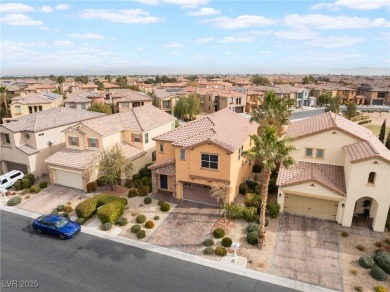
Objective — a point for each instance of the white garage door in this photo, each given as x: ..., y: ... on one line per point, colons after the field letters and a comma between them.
x: 306, y: 206
x: 69, y: 179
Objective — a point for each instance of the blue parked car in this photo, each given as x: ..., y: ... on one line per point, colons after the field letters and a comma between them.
x: 56, y: 225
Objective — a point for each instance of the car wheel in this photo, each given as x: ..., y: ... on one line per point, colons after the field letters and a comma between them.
x: 61, y: 236
x: 38, y: 230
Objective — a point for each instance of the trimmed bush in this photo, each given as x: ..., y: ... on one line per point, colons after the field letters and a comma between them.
x: 111, y: 211
x: 136, y: 176
x: 14, y: 201
x: 360, y: 247
x: 165, y: 207
x: 243, y: 188
x: 37, y: 190
x: 68, y: 209
x: 253, y: 227
x: 141, y: 234
x: 128, y: 183
x: 87, y: 208
x: 156, y: 218
x: 43, y: 185
x: 256, y: 168
x: 80, y: 221
x: 55, y: 211
x: 91, y: 186
x: 18, y: 185
x: 273, y: 210
x: 137, y: 183
x: 258, y: 189
x: 147, y: 200
x: 30, y: 177
x: 249, y: 214
x: 101, y: 181
x: 66, y: 215
x: 122, y: 221
x: 251, y: 184
x: 60, y: 208
x: 106, y: 226
x: 208, y: 242
x: 344, y: 234
x: 143, y: 191
x: 149, y: 224
x: 380, y: 289
x: 208, y: 250
x: 160, y: 202
x: 252, y: 237
x: 135, y: 228
x: 227, y: 242
x: 382, y: 259
x: 25, y: 191
x: 32, y: 190
x: 366, y: 261
x: 252, y: 200
x: 26, y: 184
x: 220, y: 251
x: 378, y: 274
x: 140, y: 219
x: 145, y: 180
x: 378, y: 244
x: 235, y: 210
x: 132, y: 193
x: 219, y: 233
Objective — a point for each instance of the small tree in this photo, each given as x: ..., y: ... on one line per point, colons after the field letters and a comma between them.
x: 387, y: 144
x: 324, y: 99
x: 108, y: 78
x: 220, y: 192
x: 121, y: 81
x: 101, y: 108
x: 333, y: 105
x: 351, y: 110
x: 383, y: 132
x: 193, y: 105
x: 260, y: 80
x: 60, y: 80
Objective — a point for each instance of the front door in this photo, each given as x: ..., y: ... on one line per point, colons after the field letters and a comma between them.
x: 163, y: 181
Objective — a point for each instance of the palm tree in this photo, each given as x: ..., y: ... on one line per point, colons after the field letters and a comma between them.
x: 272, y: 151
x: 220, y: 192
x: 275, y: 111
x: 60, y: 80
x: 4, y: 99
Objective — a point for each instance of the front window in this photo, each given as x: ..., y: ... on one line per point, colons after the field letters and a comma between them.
x: 309, y: 152
x: 320, y: 153
x: 146, y: 138
x: 371, y: 178
x: 182, y: 154
x: 137, y: 138
x: 154, y: 156
x: 73, y: 141
x: 162, y: 148
x: 231, y: 100
x: 5, y: 138
x: 125, y: 104
x: 17, y: 109
x: 209, y: 161
x: 93, y: 142
x: 166, y: 104
x: 72, y: 105
x: 83, y: 106
x: 40, y: 108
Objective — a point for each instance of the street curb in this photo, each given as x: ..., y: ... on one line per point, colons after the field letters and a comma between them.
x: 272, y: 279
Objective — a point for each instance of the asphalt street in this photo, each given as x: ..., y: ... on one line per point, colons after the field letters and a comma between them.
x: 88, y: 263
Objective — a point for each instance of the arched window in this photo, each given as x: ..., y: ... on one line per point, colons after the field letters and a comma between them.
x: 371, y: 178
x: 40, y: 108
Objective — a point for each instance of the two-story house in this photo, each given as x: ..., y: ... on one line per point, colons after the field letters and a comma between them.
x: 132, y: 131
x: 29, y: 140
x: 166, y: 98
x: 208, y: 150
x: 217, y: 99
x: 125, y: 99
x: 341, y: 169
x: 375, y: 95
x: 82, y: 100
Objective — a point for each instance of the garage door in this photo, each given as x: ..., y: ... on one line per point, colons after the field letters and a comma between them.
x: 17, y: 166
x: 69, y: 179
x: 198, y: 193
x: 378, y: 102
x: 306, y: 206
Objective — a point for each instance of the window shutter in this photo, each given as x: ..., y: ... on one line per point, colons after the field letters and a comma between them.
x: 132, y: 137
x: 70, y: 140
x: 89, y: 142
x: 77, y: 141
x: 97, y: 143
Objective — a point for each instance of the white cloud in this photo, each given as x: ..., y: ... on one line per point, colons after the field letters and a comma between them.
x: 47, y: 9
x: 265, y: 52
x: 300, y: 34
x: 20, y: 19
x: 92, y: 36
x: 203, y: 40
x: 173, y: 45
x: 15, y: 8
x: 321, y: 21
x: 261, y: 33
x: 240, y: 39
x: 44, y: 28
x: 334, y: 41
x: 205, y: 11
x: 120, y: 16
x: 63, y: 43
x: 23, y: 44
x: 173, y: 53
x: 354, y: 4
x: 183, y: 3
x: 242, y: 21
x: 62, y: 7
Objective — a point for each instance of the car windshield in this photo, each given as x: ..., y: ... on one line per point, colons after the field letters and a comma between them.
x: 61, y: 222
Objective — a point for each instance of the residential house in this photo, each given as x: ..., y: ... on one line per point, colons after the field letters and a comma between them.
x: 91, y: 87
x: 132, y: 131
x: 346, y: 94
x: 304, y: 98
x: 217, y: 99
x: 166, y: 98
x: 254, y: 99
x: 202, y: 152
x: 30, y: 139
x: 375, y: 95
x: 125, y: 99
x: 341, y: 169
x: 31, y: 103
x: 82, y: 100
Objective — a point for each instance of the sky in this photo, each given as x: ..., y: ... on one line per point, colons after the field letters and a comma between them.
x: 195, y: 37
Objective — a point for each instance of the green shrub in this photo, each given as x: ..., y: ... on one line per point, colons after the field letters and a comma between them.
x: 145, y: 180
x: 388, y: 223
x: 160, y: 202
x: 360, y: 247
x: 18, y: 185
x: 55, y: 211
x: 147, y: 200
x: 378, y: 274
x: 258, y: 189
x: 253, y: 227
x: 25, y: 191
x: 143, y: 191
x: 140, y: 219
x: 43, y: 185
x: 60, y: 208
x: 135, y: 228
x: 137, y: 183
x: 249, y: 214
x: 219, y: 233
x: 14, y: 201
x: 378, y: 244
x: 273, y: 210
x: 149, y: 224
x: 208, y: 242
x: 111, y: 211
x: 37, y: 190
x: 227, y: 242
x: 106, y: 226
x: 220, y: 251
x: 87, y: 208
x: 66, y: 215
x: 252, y: 237
x: 256, y: 168
x: 382, y: 259
x: 380, y: 289
x: 252, y: 200
x: 91, y: 187
x: 80, y: 221
x: 142, y: 170
x: 251, y: 184
x: 141, y: 234
x: 243, y: 188
x: 30, y: 177
x: 208, y: 250
x: 32, y: 190
x: 235, y: 210
x: 387, y: 240
x: 136, y: 177
x: 165, y: 207
x: 101, y: 181
x: 344, y: 234
x: 122, y: 221
x: 156, y: 218
x: 366, y: 261
x: 26, y: 184
x: 68, y: 209
x: 132, y: 193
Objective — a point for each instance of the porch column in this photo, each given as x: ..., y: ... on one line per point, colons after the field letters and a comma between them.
x: 348, y: 212
x: 380, y: 218
x: 154, y: 182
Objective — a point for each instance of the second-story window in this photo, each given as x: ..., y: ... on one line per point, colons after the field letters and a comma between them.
x: 93, y: 142
x: 5, y: 139
x: 371, y: 178
x: 166, y: 104
x: 209, y: 161
x: 125, y: 104
x: 137, y: 138
x: 240, y: 152
x: 83, y: 106
x: 73, y: 141
x: 231, y: 100
x: 146, y: 138
x: 320, y: 153
x: 18, y: 109
x: 309, y: 152
x: 182, y: 154
x: 154, y: 156
x: 161, y: 148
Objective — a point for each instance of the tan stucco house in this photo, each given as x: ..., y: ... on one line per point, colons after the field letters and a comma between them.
x: 132, y: 131
x: 342, y: 169
x: 190, y: 158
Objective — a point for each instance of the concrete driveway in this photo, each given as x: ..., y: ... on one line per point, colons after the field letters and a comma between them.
x: 307, y: 250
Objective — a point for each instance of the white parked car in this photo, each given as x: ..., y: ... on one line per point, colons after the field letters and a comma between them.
x: 8, y: 179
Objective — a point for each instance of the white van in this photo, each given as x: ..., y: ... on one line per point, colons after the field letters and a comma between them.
x: 8, y: 179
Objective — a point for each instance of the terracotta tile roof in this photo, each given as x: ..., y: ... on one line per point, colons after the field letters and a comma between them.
x: 130, y: 152
x: 77, y: 98
x: 27, y: 149
x: 37, y: 98
x: 162, y: 163
x: 360, y: 151
x: 130, y: 95
x: 216, y: 128
x: 84, y: 95
x: 328, y: 121
x: 330, y: 176
x: 164, y: 93
x: 73, y: 158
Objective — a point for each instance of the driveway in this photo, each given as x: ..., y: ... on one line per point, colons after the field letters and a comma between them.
x: 307, y: 250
